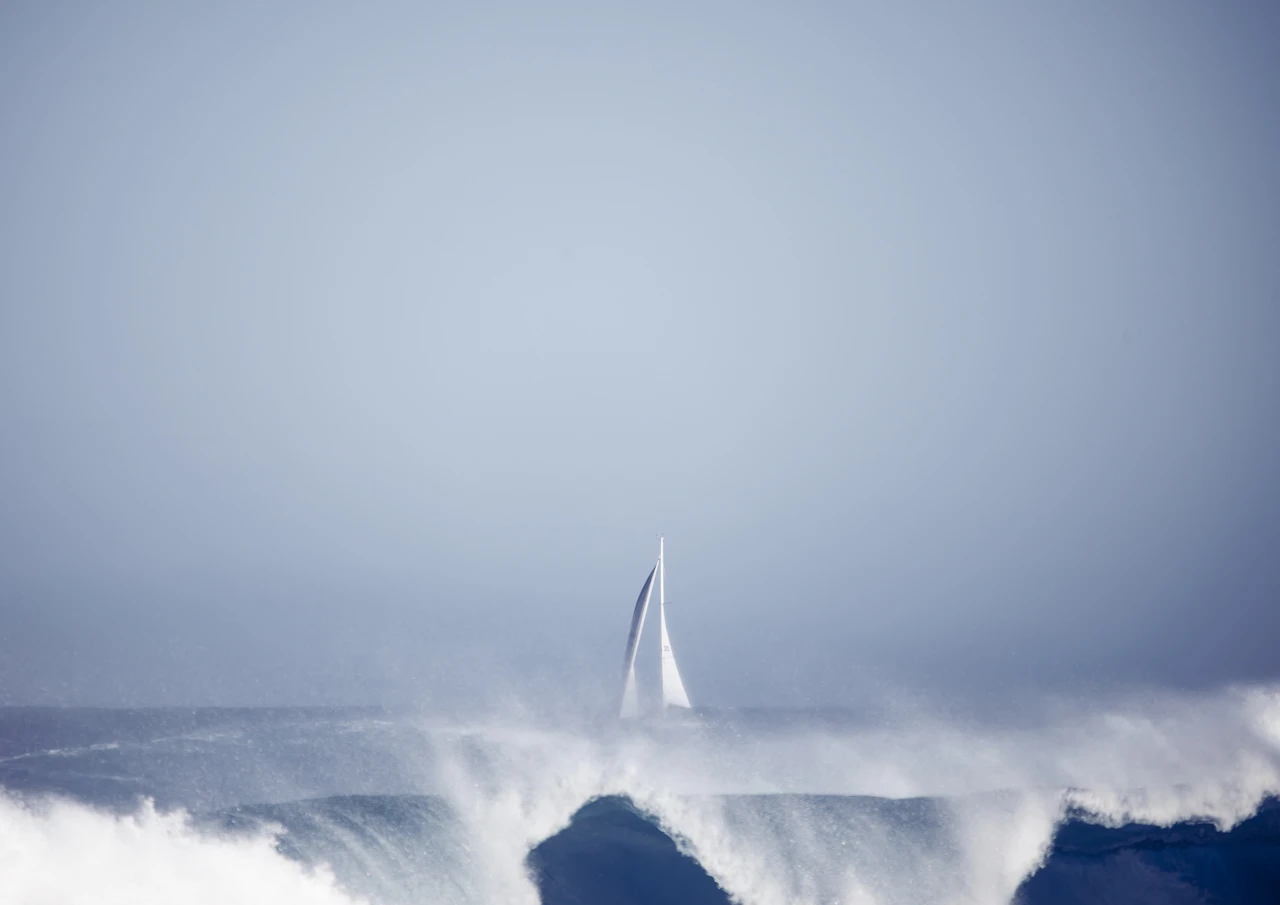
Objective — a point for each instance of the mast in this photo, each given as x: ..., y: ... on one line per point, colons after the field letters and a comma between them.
x: 673, y: 693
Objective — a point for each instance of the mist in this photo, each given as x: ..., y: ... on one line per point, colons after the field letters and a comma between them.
x: 361, y: 355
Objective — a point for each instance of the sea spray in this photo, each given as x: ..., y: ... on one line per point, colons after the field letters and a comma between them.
x: 770, y: 815
x: 62, y: 853
x: 914, y: 808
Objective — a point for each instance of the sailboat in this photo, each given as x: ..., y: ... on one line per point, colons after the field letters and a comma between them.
x: 673, y: 691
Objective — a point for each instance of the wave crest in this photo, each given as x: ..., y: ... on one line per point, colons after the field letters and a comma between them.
x: 57, y: 851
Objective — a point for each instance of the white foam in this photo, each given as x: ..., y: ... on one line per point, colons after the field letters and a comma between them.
x: 55, y: 852
x: 997, y: 796
x: 1154, y: 758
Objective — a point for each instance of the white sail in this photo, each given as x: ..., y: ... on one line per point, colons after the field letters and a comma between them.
x: 630, y: 706
x: 673, y: 693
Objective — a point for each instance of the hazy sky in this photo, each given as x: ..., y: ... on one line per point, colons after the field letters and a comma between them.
x: 361, y: 351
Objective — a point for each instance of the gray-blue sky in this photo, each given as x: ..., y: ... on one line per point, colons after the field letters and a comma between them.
x: 341, y: 346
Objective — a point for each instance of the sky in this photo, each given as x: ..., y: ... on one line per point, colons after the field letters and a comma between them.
x: 361, y: 352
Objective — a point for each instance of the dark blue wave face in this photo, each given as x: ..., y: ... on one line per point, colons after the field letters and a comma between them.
x: 386, y: 805
x: 614, y: 854
x: 1189, y: 862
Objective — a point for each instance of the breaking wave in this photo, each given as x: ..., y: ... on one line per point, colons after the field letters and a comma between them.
x: 56, y: 851
x: 1152, y: 796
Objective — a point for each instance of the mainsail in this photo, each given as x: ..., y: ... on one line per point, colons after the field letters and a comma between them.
x: 673, y: 693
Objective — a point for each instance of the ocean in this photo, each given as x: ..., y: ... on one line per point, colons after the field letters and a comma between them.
x: 1148, y: 798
